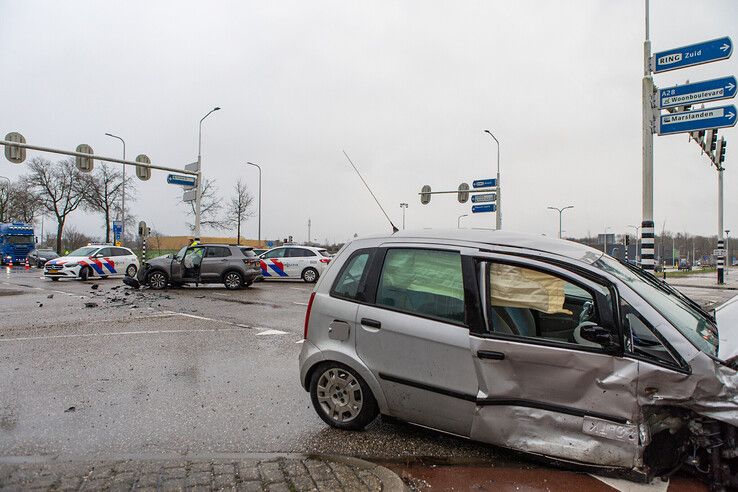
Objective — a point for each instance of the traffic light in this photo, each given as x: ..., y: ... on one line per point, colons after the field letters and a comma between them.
x: 711, y: 140
x: 721, y: 151
x: 699, y: 136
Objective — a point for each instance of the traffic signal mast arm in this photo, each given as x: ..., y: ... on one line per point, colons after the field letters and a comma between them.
x: 95, y: 157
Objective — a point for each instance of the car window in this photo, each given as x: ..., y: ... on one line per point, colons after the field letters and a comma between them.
x: 324, y: 252
x: 121, y: 252
x: 424, y: 282
x: 106, y: 252
x: 248, y: 252
x: 275, y: 253
x: 539, y: 305
x: 180, y: 254
x: 352, y: 276
x: 217, y: 252
x: 641, y: 338
x: 86, y: 251
x: 299, y: 253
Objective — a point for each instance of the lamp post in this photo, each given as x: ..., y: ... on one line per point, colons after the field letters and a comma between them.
x: 259, y: 168
x: 198, y: 195
x: 498, y: 214
x: 458, y: 221
x: 123, y: 198
x: 605, y: 237
x: 403, y: 206
x: 561, y: 211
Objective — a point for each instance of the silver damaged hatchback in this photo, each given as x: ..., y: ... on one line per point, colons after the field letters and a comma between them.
x: 540, y: 345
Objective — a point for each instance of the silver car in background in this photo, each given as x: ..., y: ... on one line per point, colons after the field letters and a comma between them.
x: 535, y: 344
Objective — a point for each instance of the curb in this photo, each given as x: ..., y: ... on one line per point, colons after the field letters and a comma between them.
x: 390, y: 480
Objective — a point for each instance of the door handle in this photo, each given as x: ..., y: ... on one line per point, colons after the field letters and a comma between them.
x: 371, y: 323
x: 490, y: 355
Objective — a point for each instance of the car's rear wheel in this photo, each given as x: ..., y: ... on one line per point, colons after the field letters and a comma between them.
x: 54, y: 279
x: 341, y: 397
x: 157, y: 280
x: 85, y: 273
x: 232, y: 280
x: 310, y: 275
x: 131, y: 270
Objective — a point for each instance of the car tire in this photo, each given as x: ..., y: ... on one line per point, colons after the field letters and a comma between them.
x: 131, y: 271
x: 232, y: 280
x: 54, y: 279
x: 157, y: 280
x: 248, y: 284
x: 84, y: 273
x: 341, y: 397
x: 310, y: 275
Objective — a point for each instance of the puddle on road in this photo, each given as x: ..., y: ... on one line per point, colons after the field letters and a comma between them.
x: 8, y: 292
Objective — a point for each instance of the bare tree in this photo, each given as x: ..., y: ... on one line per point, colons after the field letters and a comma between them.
x: 18, y: 202
x: 239, y: 207
x: 102, y: 193
x: 60, y: 188
x: 210, y: 207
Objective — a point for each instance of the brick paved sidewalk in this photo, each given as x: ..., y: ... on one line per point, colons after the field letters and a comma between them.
x: 248, y: 472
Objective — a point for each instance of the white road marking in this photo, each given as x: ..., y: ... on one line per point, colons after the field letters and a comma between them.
x: 298, y: 288
x: 657, y: 485
x: 300, y: 341
x: 300, y: 303
x: 120, y: 333
x: 271, y: 332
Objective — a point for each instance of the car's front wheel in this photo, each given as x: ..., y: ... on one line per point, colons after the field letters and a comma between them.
x: 232, y: 280
x: 341, y: 397
x: 157, y: 280
x: 131, y: 270
x: 85, y: 273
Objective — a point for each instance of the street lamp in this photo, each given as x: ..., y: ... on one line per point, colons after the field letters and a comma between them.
x: 499, y: 188
x: 458, y: 221
x: 259, y: 168
x: 123, y: 205
x: 403, y: 206
x: 638, y: 239
x: 560, y: 211
x: 198, y: 196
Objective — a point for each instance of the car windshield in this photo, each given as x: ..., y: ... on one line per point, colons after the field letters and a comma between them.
x: 324, y: 253
x: 19, y: 239
x: 684, y: 314
x: 86, y: 251
x: 180, y: 254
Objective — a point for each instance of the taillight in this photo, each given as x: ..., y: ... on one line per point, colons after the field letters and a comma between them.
x: 307, y: 315
x: 325, y: 260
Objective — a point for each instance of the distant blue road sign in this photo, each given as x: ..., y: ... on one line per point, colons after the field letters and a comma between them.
x: 270, y: 244
x: 177, y: 179
x: 699, y: 92
x: 117, y: 230
x: 484, y: 183
x: 484, y: 198
x: 694, y: 54
x: 701, y: 119
x: 487, y: 207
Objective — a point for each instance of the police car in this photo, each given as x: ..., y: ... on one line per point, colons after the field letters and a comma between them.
x: 294, y: 262
x: 94, y: 260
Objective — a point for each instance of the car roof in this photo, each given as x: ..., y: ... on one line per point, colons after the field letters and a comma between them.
x: 487, y: 237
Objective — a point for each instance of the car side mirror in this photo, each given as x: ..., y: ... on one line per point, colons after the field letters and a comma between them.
x: 597, y: 334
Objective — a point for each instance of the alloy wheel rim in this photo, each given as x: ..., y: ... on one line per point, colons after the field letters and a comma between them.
x: 157, y: 280
x: 309, y: 275
x: 233, y: 280
x: 131, y: 271
x: 339, y: 395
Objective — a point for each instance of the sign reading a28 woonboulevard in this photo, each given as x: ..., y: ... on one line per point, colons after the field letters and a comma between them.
x: 702, y: 119
x: 699, y: 92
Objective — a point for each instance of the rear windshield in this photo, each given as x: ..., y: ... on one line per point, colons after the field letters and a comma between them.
x: 249, y: 252
x: 324, y: 253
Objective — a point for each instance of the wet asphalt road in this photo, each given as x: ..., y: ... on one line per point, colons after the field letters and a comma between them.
x: 193, y: 371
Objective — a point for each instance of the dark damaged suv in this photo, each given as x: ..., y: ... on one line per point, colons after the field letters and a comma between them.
x: 233, y: 266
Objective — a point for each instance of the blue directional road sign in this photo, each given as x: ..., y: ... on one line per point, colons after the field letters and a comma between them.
x: 702, y: 119
x: 177, y: 179
x: 487, y: 207
x: 694, y: 54
x: 484, y: 183
x: 699, y: 92
x: 484, y: 198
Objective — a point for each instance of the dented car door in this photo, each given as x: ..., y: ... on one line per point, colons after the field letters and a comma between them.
x: 545, y: 386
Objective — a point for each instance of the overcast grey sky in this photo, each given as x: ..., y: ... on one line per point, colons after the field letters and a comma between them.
x: 405, y: 87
